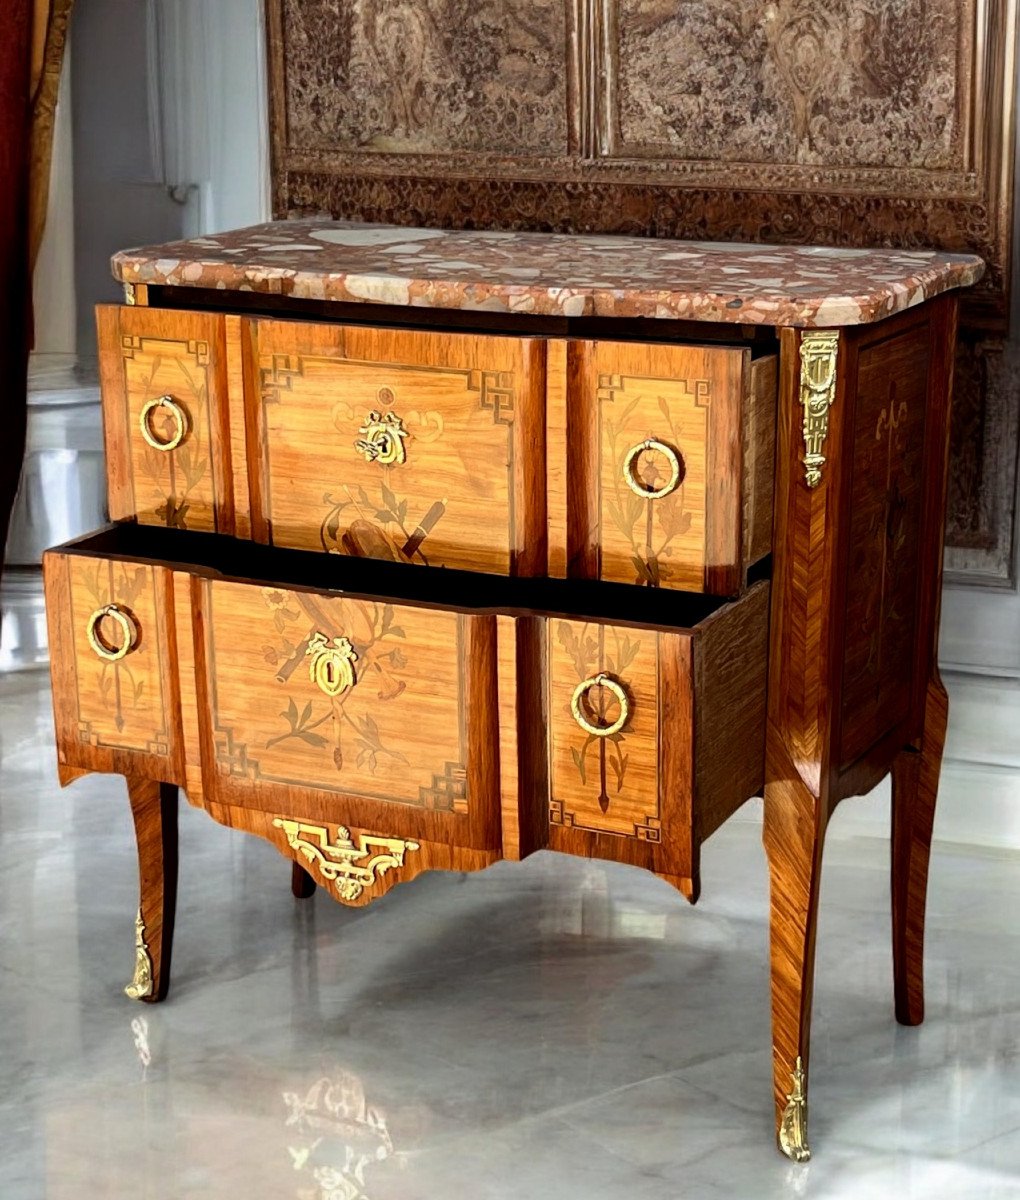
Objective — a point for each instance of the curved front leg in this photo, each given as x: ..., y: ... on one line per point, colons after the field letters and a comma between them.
x: 794, y: 833
x: 302, y: 885
x: 915, y: 783
x: 154, y: 808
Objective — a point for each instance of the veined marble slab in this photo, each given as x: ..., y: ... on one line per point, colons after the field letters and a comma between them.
x: 555, y: 274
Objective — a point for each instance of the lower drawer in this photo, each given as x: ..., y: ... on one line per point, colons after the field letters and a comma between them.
x: 360, y: 712
x: 639, y: 741
x: 374, y: 712
x: 113, y: 665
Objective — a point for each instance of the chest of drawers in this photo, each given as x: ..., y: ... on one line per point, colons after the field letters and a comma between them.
x: 431, y: 549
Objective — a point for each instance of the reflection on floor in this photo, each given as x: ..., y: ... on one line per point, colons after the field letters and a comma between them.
x: 546, y: 1029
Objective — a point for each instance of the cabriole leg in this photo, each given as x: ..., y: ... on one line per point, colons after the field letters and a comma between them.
x: 302, y: 885
x: 793, y: 835
x: 154, y: 808
x: 915, y: 782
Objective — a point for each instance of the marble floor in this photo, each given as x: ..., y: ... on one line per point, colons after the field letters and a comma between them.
x: 546, y: 1029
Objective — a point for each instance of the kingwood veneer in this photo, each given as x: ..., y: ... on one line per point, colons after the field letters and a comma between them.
x: 517, y: 511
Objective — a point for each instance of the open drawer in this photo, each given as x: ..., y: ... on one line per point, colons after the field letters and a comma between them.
x: 637, y: 741
x: 454, y: 717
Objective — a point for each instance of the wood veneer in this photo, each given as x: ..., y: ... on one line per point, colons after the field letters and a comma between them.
x: 470, y: 489
x: 704, y: 403
x: 827, y: 737
x: 144, y: 354
x: 816, y: 681
x: 437, y: 740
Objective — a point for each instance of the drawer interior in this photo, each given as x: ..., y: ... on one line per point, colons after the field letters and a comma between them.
x: 399, y: 583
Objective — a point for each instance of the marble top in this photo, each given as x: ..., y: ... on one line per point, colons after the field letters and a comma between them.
x: 555, y: 274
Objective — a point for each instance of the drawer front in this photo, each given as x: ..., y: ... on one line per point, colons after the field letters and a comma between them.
x: 114, y: 691
x: 652, y: 737
x: 416, y: 447
x: 633, y: 784
x: 658, y: 477
x: 369, y: 713
x: 165, y: 417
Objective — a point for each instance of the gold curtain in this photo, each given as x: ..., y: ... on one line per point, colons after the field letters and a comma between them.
x: 49, y: 34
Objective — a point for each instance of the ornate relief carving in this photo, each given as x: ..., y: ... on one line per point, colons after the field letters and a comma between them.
x: 855, y: 83
x: 351, y: 867
x: 818, y: 354
x: 141, y: 984
x: 419, y: 76
x: 986, y: 425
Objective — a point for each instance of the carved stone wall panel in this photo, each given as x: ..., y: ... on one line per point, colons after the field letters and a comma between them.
x: 851, y: 83
x: 425, y: 76
x: 983, y: 470
x: 851, y: 123
x: 586, y: 206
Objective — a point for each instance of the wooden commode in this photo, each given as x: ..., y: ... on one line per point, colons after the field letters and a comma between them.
x: 433, y: 548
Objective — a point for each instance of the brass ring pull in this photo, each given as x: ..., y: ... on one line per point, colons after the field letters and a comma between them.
x: 180, y: 423
x: 583, y: 688
x: 630, y: 471
x: 331, y: 668
x: 124, y: 622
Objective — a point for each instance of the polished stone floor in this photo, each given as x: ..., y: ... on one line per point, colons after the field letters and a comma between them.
x: 550, y: 1029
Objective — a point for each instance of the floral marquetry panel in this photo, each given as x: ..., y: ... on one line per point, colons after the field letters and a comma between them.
x: 357, y: 697
x: 120, y: 701
x: 414, y: 447
x: 656, y: 542
x: 164, y: 402
x: 647, y: 427
x: 604, y: 784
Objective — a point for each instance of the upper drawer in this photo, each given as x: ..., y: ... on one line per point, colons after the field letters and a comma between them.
x: 165, y: 417
x: 416, y: 447
x: 660, y: 463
